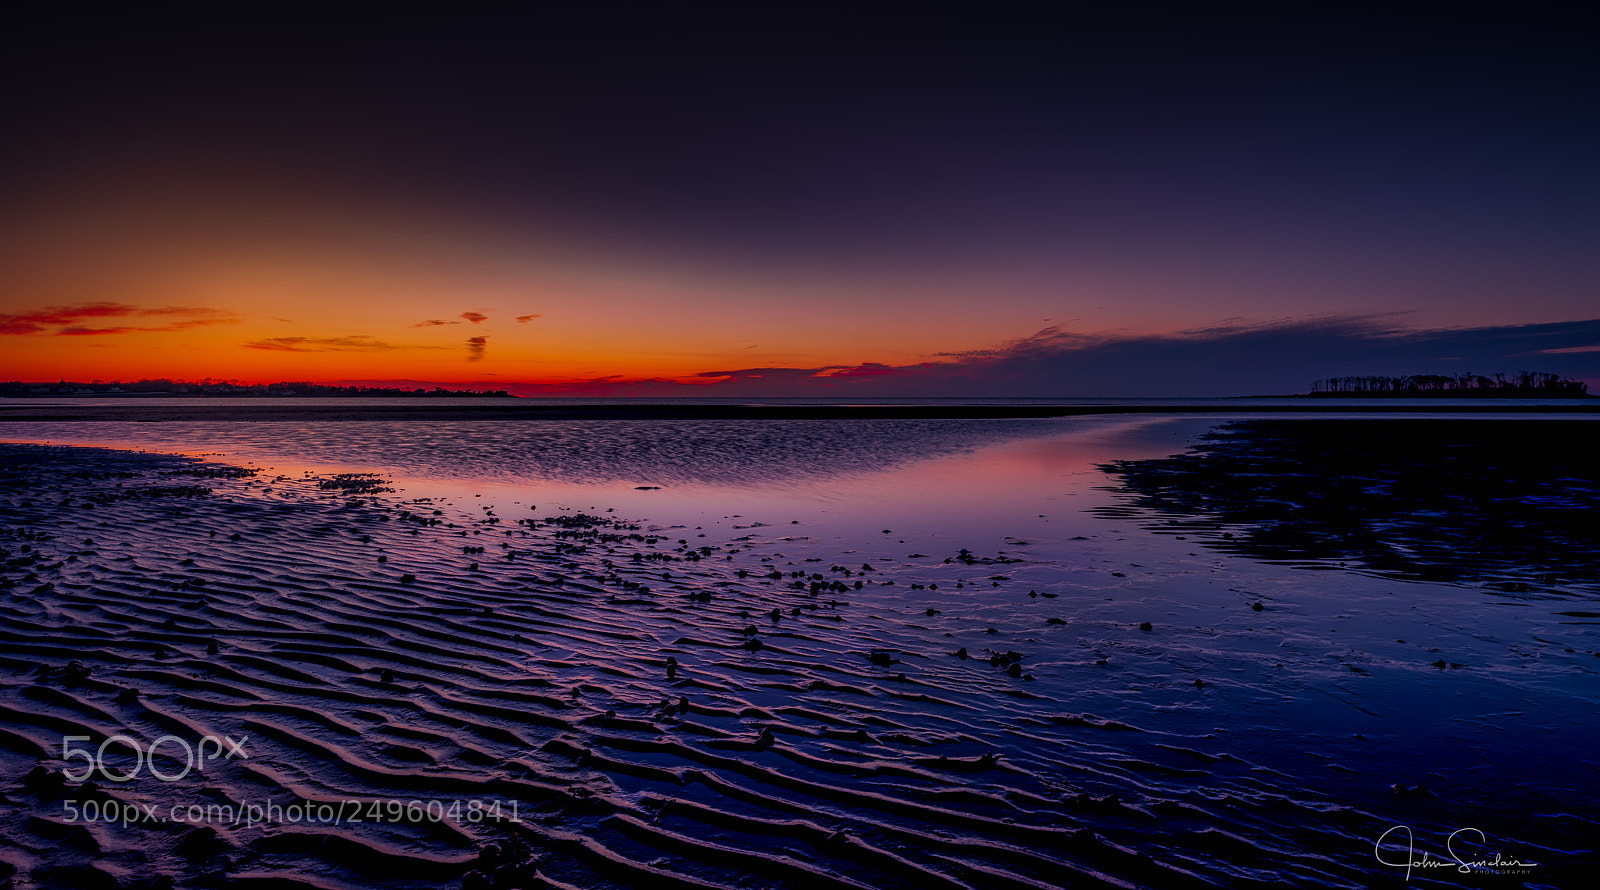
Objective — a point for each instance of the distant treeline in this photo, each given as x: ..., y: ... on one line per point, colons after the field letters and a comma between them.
x: 1519, y: 384
x: 224, y: 388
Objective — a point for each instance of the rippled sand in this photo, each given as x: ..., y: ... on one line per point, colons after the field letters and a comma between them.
x: 590, y: 701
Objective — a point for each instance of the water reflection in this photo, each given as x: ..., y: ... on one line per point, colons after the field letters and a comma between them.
x: 940, y: 485
x: 722, y: 452
x: 1506, y: 503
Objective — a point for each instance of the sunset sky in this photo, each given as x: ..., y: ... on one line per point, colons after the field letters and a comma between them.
x: 1211, y: 199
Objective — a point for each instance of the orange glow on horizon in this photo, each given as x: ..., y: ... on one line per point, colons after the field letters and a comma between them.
x: 349, y: 299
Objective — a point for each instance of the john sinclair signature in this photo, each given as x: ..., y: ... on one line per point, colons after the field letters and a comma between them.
x: 1498, y: 865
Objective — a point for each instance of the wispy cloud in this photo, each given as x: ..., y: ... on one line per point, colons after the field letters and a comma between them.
x: 77, y: 331
x: 178, y: 310
x: 321, y: 344
x: 433, y: 323
x: 67, y: 319
x: 524, y: 319
x: 475, y: 348
x: 870, y: 369
x: 768, y: 373
x: 38, y: 320
x: 474, y: 317
x: 80, y: 331
x: 1234, y: 358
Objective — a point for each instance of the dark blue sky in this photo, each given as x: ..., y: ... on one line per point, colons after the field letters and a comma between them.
x: 1126, y: 172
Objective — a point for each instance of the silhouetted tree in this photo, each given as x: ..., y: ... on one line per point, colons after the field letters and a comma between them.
x: 1521, y: 384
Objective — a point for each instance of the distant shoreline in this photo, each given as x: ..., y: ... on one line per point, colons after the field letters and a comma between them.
x: 1447, y: 394
x: 191, y: 411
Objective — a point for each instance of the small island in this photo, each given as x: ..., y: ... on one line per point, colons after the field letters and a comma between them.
x: 1503, y: 385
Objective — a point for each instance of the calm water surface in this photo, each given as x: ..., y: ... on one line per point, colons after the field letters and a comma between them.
x: 978, y: 481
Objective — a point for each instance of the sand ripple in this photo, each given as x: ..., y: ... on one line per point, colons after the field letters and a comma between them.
x: 636, y: 711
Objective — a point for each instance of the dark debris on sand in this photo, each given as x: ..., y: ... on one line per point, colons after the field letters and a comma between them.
x: 1498, y: 503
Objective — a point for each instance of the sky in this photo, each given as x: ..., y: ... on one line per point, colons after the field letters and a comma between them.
x: 624, y: 199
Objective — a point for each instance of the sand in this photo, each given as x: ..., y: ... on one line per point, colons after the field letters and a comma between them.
x: 574, y: 699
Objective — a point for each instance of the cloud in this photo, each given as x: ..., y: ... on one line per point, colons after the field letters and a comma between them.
x: 474, y: 317
x: 1233, y: 359
x: 68, y: 317
x: 38, y: 320
x: 475, y: 348
x: 321, y: 344
x: 769, y: 373
x: 1244, y: 358
x: 433, y: 322
x: 524, y: 319
x: 179, y: 310
x: 80, y: 331
x: 870, y: 369
x: 77, y: 331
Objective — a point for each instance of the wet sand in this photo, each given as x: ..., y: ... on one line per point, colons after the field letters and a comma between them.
x: 1495, y: 503
x: 586, y: 701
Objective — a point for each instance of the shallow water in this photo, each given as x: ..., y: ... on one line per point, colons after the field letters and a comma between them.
x: 950, y: 477
x: 1277, y: 767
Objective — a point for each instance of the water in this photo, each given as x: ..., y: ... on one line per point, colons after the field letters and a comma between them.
x: 1325, y: 697
x: 955, y: 478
